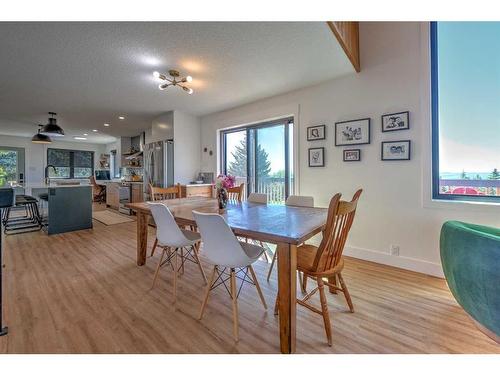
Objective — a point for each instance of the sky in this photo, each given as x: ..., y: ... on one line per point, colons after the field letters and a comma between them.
x: 469, y: 96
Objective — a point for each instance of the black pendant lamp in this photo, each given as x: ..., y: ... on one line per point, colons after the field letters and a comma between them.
x: 52, y: 129
x: 41, y: 138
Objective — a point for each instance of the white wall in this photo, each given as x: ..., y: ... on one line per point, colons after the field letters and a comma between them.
x: 187, y: 146
x: 36, y: 154
x: 395, y: 207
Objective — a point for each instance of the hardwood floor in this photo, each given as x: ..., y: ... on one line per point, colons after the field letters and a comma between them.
x: 81, y: 292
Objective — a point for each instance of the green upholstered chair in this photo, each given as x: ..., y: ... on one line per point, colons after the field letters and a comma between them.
x: 470, y: 255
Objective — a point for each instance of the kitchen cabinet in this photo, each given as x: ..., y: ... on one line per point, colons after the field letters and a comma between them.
x: 113, y: 195
x: 137, y: 194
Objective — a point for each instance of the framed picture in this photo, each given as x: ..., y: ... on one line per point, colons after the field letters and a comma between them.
x: 352, y: 155
x: 355, y: 132
x: 317, y: 157
x: 396, y: 150
x: 396, y: 121
x: 316, y: 133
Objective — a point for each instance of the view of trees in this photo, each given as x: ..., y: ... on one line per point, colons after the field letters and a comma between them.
x: 238, y: 167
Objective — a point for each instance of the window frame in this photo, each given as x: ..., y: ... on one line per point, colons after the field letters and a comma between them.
x: 248, y: 128
x: 436, y: 195
x: 72, y: 163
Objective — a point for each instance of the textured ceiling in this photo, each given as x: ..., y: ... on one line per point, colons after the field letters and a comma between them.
x: 90, y: 73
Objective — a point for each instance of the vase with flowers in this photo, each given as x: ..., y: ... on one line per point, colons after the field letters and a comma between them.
x: 223, y: 183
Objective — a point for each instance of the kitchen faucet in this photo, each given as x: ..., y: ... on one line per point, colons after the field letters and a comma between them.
x: 47, y: 178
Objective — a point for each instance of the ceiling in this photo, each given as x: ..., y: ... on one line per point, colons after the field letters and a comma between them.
x: 92, y: 72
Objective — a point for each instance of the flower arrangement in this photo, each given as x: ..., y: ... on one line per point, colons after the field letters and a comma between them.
x: 225, y: 181
x: 222, y: 184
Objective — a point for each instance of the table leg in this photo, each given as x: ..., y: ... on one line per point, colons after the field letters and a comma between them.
x: 287, y: 286
x: 142, y: 238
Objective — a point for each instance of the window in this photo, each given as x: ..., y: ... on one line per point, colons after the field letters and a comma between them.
x: 70, y: 163
x: 465, y: 111
x: 11, y: 165
x: 260, y: 155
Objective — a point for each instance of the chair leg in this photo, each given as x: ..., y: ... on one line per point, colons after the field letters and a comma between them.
x: 272, y: 264
x: 195, y: 254
x: 175, y: 277
x: 304, y: 283
x: 256, y: 282
x: 235, y: 305
x: 207, y: 293
x: 276, y: 306
x: 182, y: 261
x: 154, y: 247
x: 301, y: 281
x: 333, y: 280
x: 346, y: 292
x: 324, y: 309
x: 158, y: 268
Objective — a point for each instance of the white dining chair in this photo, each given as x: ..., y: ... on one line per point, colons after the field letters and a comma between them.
x: 261, y: 199
x: 224, y: 251
x: 175, y: 242
x: 257, y: 198
x: 297, y: 201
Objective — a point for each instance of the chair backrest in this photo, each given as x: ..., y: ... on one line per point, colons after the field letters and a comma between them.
x: 257, y: 198
x: 300, y: 201
x: 168, y: 232
x: 235, y: 194
x: 220, y: 245
x: 339, y: 222
x: 158, y: 193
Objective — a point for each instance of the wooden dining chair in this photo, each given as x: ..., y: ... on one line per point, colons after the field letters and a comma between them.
x: 325, y: 261
x: 293, y: 201
x: 235, y: 194
x: 98, y: 191
x: 158, y: 194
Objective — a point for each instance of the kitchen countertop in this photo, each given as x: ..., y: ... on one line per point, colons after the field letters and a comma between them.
x: 189, y: 185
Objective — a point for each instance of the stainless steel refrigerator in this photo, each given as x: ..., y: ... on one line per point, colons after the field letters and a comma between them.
x: 158, y: 164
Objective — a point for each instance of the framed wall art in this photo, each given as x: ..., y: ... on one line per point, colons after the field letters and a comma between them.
x: 396, y: 121
x: 316, y: 133
x: 354, y: 132
x: 317, y: 157
x: 352, y: 155
x: 396, y: 150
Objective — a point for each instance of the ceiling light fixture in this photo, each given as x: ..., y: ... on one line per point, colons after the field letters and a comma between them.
x: 106, y: 124
x: 41, y: 138
x: 80, y: 138
x: 85, y: 134
x: 174, y: 81
x: 94, y: 130
x: 51, y: 128
x: 121, y: 117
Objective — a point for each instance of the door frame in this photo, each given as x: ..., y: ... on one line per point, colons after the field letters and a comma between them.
x: 260, y: 125
x: 21, y: 161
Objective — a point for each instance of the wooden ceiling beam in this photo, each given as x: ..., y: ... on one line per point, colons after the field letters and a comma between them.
x: 347, y: 34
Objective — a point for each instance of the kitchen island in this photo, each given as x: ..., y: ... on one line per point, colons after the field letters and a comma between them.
x: 69, y: 206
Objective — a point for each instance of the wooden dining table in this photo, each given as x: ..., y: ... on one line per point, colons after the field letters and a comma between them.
x: 285, y: 226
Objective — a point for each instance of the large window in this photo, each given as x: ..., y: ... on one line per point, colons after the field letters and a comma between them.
x: 70, y: 163
x: 465, y: 110
x: 260, y: 155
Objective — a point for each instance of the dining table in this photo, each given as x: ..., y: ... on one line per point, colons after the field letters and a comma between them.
x: 285, y: 226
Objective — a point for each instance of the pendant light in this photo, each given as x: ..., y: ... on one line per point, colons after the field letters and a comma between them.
x: 41, y: 138
x: 52, y: 129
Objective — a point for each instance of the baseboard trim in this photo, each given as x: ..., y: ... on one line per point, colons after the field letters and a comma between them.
x: 412, y: 264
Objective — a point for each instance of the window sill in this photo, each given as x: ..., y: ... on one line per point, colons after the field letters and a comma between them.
x: 462, y: 205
